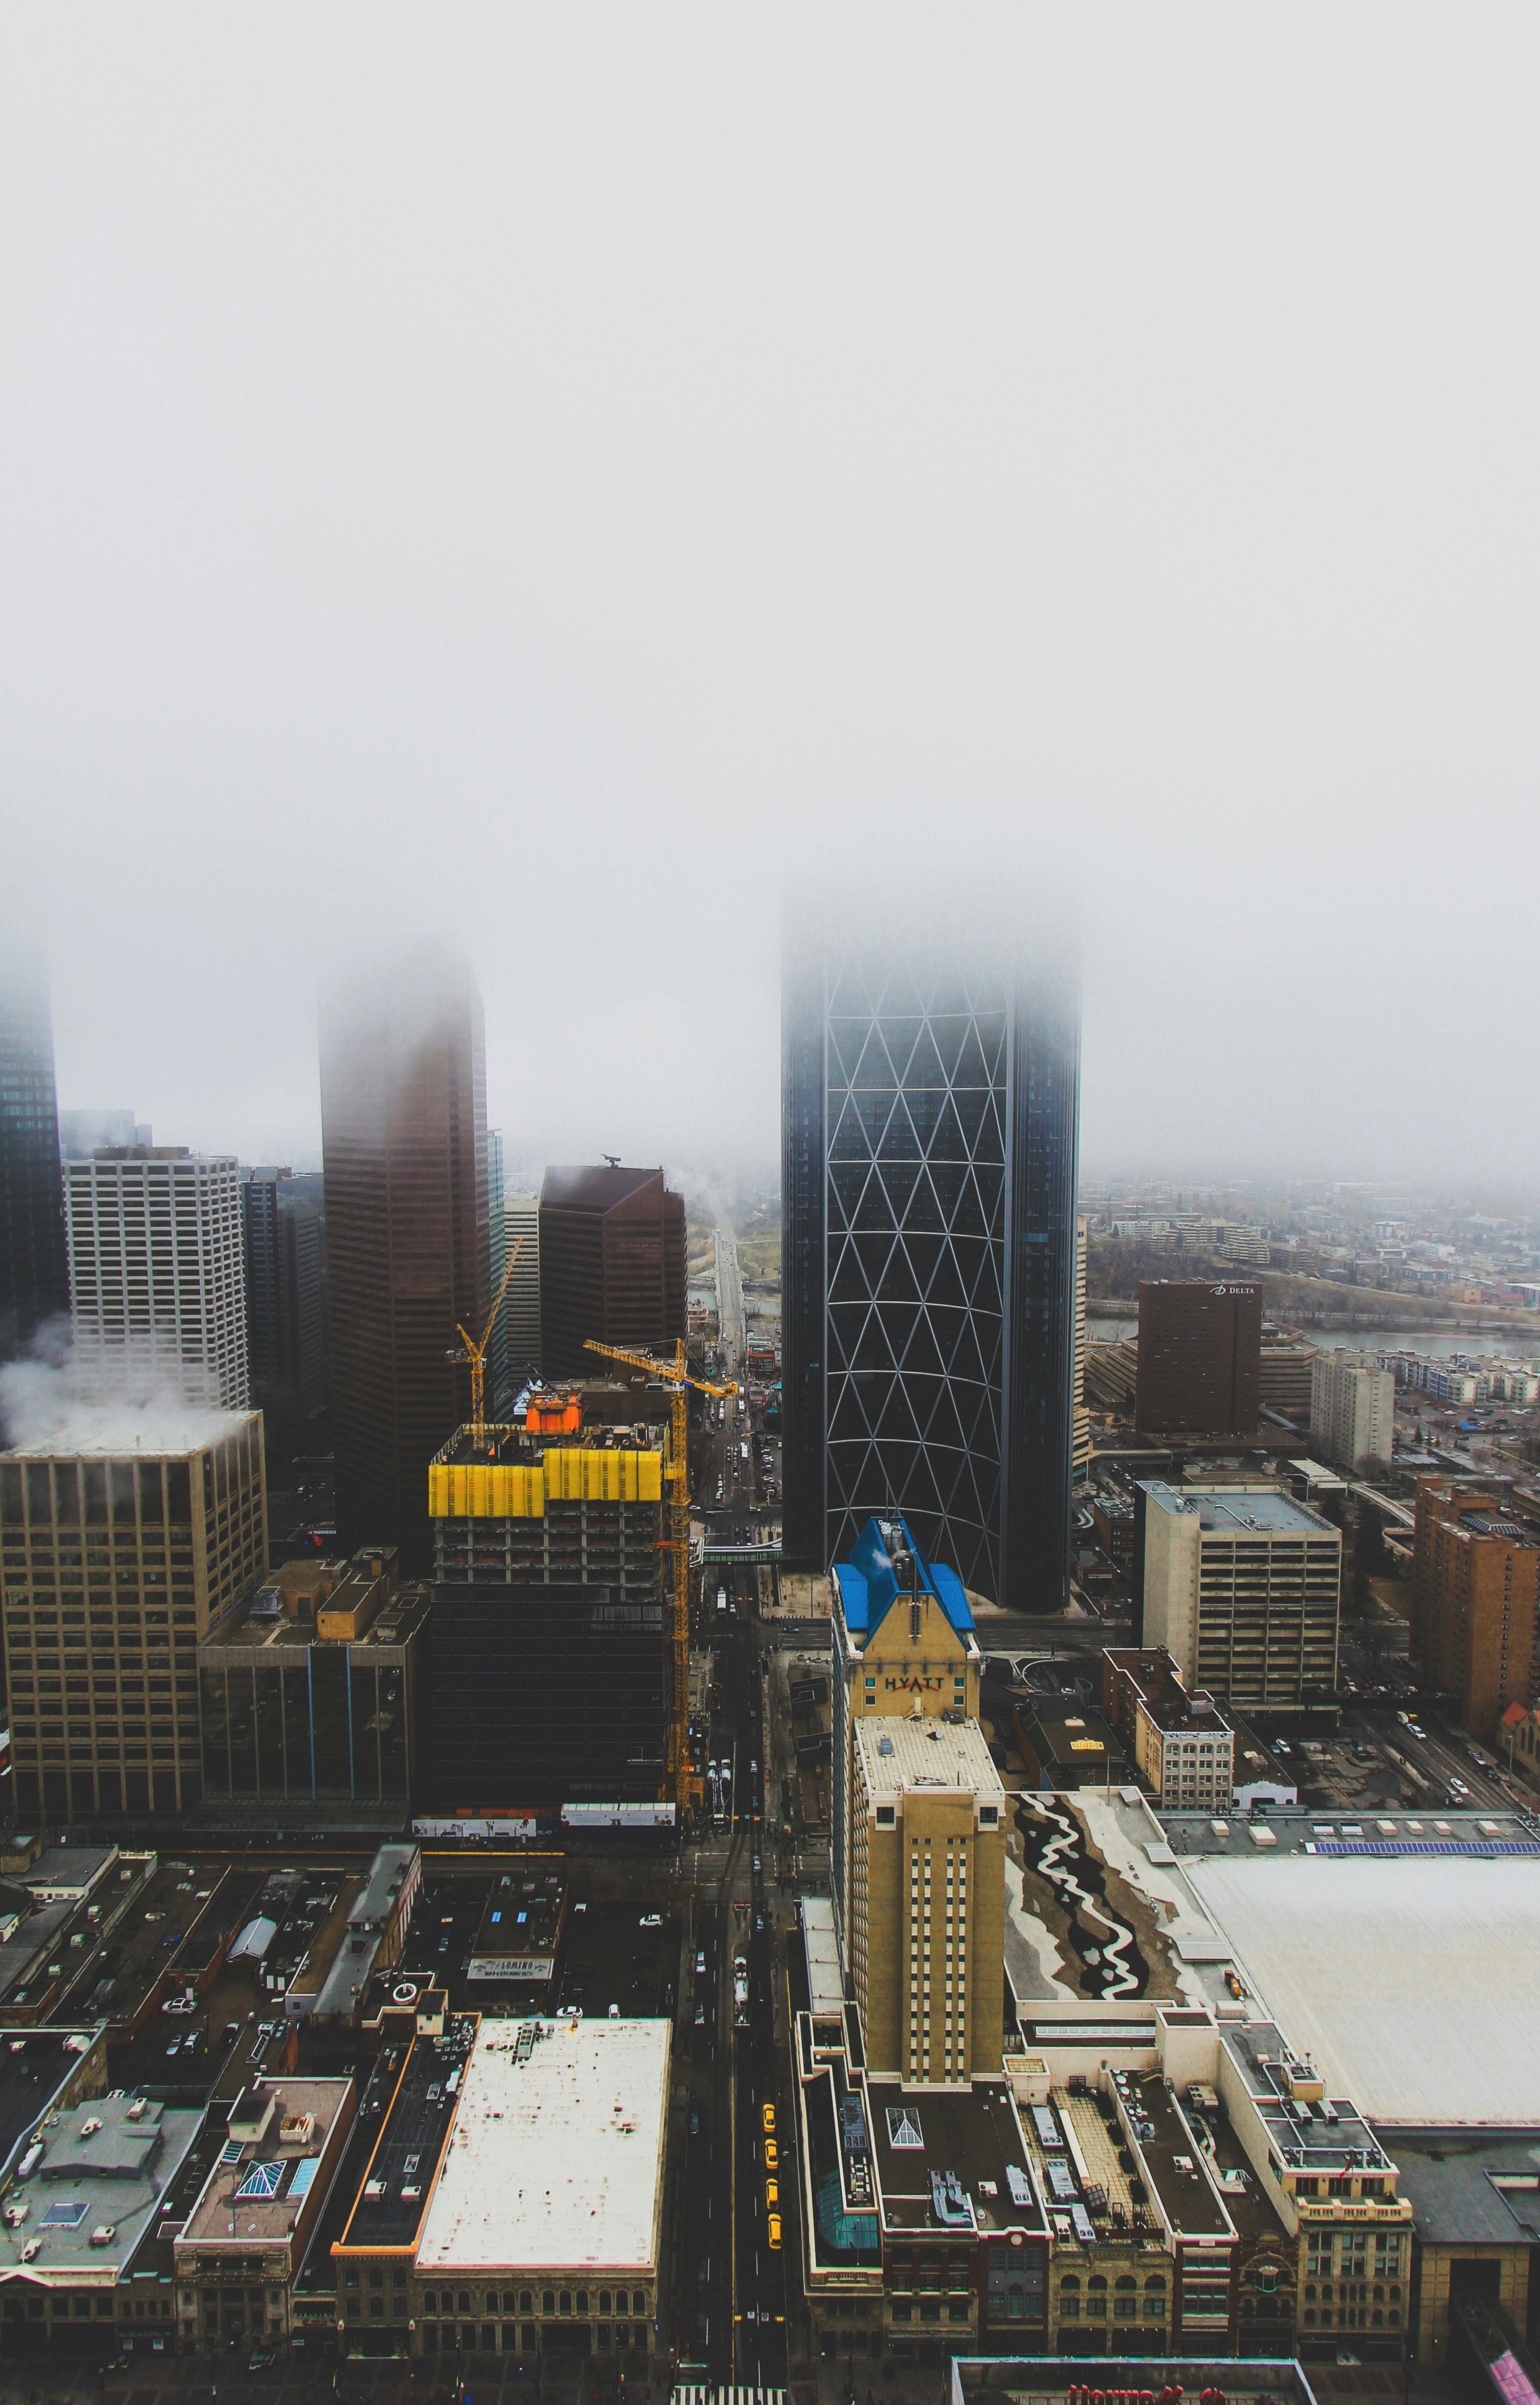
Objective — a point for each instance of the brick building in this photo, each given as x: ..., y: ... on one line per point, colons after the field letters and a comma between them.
x: 1476, y: 1581
x: 1199, y: 1356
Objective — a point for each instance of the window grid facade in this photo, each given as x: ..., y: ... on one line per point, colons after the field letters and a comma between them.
x: 930, y: 1128
x: 157, y: 1262
x: 113, y: 1569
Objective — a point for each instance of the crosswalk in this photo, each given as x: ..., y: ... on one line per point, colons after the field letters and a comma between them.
x: 685, y: 2396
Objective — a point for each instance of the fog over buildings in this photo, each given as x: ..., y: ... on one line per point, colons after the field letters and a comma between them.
x: 536, y: 488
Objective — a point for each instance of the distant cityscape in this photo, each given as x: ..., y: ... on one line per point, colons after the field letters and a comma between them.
x: 939, y: 1766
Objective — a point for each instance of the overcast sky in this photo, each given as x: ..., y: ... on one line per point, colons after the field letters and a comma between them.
x: 539, y: 474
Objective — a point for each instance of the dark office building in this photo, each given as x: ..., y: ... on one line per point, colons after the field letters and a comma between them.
x: 612, y: 1265
x: 310, y: 1688
x: 545, y: 1695
x: 1199, y: 1357
x: 286, y: 1332
x: 930, y: 1127
x: 403, y: 1126
x: 34, y: 1255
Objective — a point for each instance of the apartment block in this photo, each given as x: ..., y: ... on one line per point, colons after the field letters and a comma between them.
x: 122, y: 1539
x: 901, y: 1637
x: 157, y: 1268
x: 1242, y: 1586
x: 925, y: 1908
x: 1183, y: 1746
x: 1352, y: 1408
x: 1199, y: 1356
x: 1475, y: 1584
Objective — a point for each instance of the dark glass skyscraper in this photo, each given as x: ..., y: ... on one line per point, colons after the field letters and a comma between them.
x: 931, y: 1081
x: 33, y: 1255
x: 404, y: 1128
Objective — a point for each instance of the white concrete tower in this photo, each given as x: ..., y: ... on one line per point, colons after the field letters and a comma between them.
x: 158, y: 1273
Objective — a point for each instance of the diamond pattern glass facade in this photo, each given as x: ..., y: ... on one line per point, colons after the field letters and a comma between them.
x: 929, y: 1116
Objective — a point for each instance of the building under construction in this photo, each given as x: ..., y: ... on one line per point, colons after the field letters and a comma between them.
x: 552, y: 1610
x: 551, y: 1503
x: 545, y: 1695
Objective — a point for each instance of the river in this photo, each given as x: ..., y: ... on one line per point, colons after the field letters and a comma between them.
x: 1438, y: 1342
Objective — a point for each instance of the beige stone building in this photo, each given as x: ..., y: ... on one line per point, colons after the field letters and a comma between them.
x: 926, y: 1905
x: 122, y: 1538
x: 902, y: 1640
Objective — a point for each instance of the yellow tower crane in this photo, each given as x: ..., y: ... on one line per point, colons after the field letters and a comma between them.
x: 469, y: 1350
x: 676, y: 1375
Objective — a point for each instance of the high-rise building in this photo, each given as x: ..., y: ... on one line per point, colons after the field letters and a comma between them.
x: 83, y: 1133
x: 551, y: 1608
x: 522, y: 1302
x: 34, y: 1261
x: 286, y: 1332
x: 1082, y: 1447
x: 902, y: 1639
x: 1199, y: 1356
x: 123, y: 1536
x: 930, y: 1125
x: 1288, y: 1367
x: 1476, y: 1587
x: 157, y: 1266
x: 1243, y: 1587
x: 613, y: 1260
x: 1352, y: 1408
x: 925, y: 1909
x: 403, y: 1124
x: 496, y: 1253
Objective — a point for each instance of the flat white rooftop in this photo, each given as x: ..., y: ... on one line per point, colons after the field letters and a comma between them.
x: 134, y: 1430
x: 1413, y: 1983
x: 911, y: 1754
x: 557, y: 2151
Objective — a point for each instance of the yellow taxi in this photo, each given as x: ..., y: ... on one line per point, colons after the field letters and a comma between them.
x: 767, y: 2114
x: 772, y: 2153
x: 773, y: 2231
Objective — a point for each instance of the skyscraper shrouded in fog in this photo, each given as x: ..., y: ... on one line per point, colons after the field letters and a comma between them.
x: 404, y: 1128
x: 930, y: 1075
x: 34, y: 1258
x: 285, y: 1340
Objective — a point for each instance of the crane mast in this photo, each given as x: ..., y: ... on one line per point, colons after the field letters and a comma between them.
x: 676, y: 1375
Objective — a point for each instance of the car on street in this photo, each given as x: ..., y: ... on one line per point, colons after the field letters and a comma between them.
x: 772, y: 2154
x: 767, y: 2114
x: 772, y: 2192
x: 650, y: 1920
x: 772, y: 2230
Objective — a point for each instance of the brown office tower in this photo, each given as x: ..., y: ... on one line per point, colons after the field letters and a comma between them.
x: 1199, y: 1357
x: 404, y: 1128
x: 1474, y: 1576
x: 612, y: 1265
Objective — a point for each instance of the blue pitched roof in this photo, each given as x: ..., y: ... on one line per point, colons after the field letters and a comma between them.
x: 867, y: 1585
